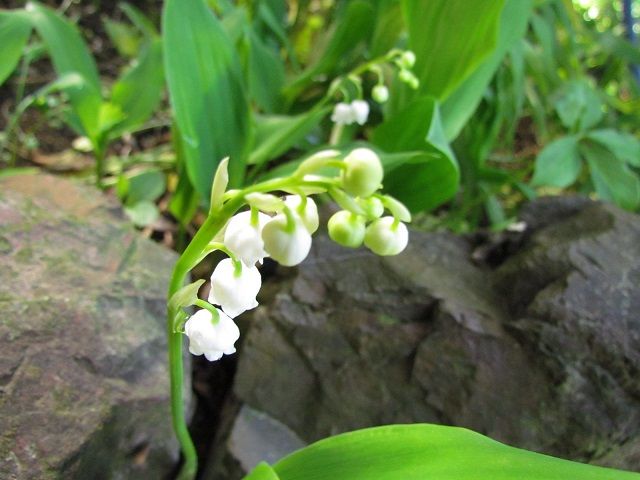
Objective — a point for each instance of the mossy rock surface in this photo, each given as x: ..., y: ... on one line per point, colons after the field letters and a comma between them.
x: 83, y: 376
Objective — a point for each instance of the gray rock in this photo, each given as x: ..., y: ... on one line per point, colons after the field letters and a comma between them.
x: 254, y: 437
x: 541, y: 352
x: 83, y: 376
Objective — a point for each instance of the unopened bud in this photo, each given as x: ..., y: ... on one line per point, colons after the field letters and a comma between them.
x: 363, y: 172
x: 380, y: 93
x: 346, y: 229
x: 386, y: 236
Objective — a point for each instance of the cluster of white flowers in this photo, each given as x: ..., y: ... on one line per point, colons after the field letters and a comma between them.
x: 251, y: 236
x: 350, y: 113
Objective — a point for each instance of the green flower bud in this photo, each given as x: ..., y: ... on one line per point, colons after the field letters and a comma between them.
x: 407, y: 76
x: 346, y: 229
x: 380, y: 93
x: 363, y: 173
x: 386, y: 236
x: 407, y: 59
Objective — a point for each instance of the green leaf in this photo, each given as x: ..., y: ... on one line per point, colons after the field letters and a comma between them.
x: 463, y: 101
x: 420, y: 169
x: 558, y: 164
x: 352, y: 26
x: 266, y: 73
x: 623, y: 145
x: 611, y: 177
x: 262, y: 472
x: 206, y: 91
x: 141, y: 22
x: 14, y: 33
x: 579, y: 106
x: 422, y: 452
x: 450, y: 38
x: 138, y: 91
x: 125, y: 38
x: 276, y: 134
x: 145, y: 186
x: 70, y: 54
x: 142, y: 213
x: 184, y: 201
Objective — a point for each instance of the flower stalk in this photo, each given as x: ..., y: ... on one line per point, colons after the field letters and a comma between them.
x: 249, y: 235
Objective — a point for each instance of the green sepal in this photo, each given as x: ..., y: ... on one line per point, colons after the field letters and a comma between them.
x: 397, y: 208
x: 184, y: 297
x: 220, y: 182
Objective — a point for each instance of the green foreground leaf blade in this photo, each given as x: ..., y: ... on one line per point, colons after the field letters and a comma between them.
x: 419, y: 452
x: 14, y: 33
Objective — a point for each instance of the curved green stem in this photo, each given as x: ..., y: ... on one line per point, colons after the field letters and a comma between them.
x: 191, y: 256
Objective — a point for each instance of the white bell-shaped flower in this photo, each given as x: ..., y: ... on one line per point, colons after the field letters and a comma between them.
x: 386, y: 236
x: 245, y: 239
x: 309, y: 215
x: 360, y: 110
x: 212, y: 340
x: 288, y: 244
x: 235, y: 291
x: 343, y: 114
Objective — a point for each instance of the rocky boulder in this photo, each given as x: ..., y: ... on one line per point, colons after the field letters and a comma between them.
x: 536, y: 342
x: 83, y: 376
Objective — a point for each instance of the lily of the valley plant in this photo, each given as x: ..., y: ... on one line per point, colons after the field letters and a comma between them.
x: 273, y: 226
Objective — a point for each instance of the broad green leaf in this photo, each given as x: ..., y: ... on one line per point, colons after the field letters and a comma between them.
x: 423, y: 452
x: 184, y: 201
x: 420, y: 169
x: 206, y: 91
x: 70, y: 54
x: 558, y: 164
x: 124, y: 37
x: 142, y: 213
x: 142, y: 23
x: 262, y: 472
x: 275, y: 134
x: 139, y: 90
x: 463, y: 101
x: 623, y: 145
x: 388, y: 27
x: 450, y: 38
x: 352, y: 27
x: 14, y: 33
x: 146, y: 186
x: 579, y: 106
x: 611, y: 177
x: 266, y: 73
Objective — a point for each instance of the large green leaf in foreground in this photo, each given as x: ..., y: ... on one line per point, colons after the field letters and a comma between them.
x: 14, y: 33
x: 206, y: 89
x: 424, y: 452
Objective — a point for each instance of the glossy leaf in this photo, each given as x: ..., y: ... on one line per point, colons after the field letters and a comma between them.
x: 420, y: 169
x: 450, y: 38
x: 137, y: 93
x: 266, y: 73
x: 70, y: 54
x: 579, y: 106
x: 14, y: 33
x: 419, y: 452
x: 558, y: 164
x: 206, y: 91
x: 623, y: 145
x: 275, y: 134
x: 612, y: 179
x: 351, y: 28
x: 463, y: 101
